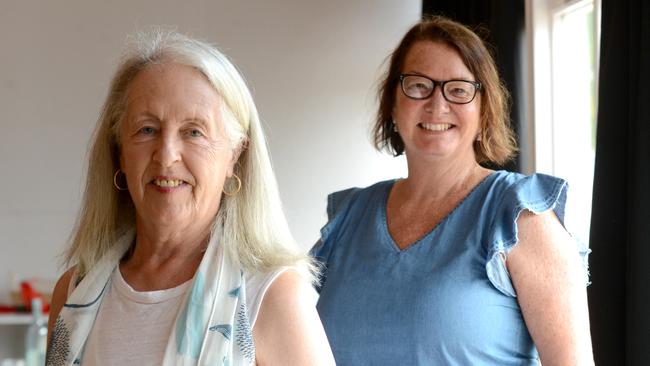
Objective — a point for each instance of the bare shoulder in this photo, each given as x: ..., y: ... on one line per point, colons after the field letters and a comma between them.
x: 546, y: 256
x: 288, y: 330
x: 289, y: 287
x: 542, y: 238
x: 289, y: 298
x: 59, y: 297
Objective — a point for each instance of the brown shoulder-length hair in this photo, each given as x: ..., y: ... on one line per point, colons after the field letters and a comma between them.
x: 497, y: 143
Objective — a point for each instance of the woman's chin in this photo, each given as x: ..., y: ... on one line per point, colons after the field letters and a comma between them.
x: 440, y: 150
x: 431, y: 152
x: 170, y: 218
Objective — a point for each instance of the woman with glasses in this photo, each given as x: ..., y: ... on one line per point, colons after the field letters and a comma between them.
x: 456, y: 264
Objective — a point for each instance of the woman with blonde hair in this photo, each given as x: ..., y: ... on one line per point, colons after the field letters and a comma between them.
x: 181, y: 252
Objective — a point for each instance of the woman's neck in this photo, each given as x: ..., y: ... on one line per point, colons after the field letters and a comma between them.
x: 433, y: 181
x: 162, y: 258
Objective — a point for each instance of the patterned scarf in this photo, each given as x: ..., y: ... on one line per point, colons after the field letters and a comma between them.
x: 211, y: 328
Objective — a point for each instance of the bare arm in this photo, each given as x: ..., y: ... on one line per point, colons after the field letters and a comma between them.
x: 288, y: 330
x: 547, y: 274
x: 59, y: 297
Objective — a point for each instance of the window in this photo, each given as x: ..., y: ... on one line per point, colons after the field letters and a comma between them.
x: 565, y: 38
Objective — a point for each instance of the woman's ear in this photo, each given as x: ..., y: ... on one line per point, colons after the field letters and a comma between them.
x: 120, y: 158
x: 243, y: 145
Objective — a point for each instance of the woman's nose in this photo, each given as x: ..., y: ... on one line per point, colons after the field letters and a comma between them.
x: 436, y: 102
x: 167, y: 150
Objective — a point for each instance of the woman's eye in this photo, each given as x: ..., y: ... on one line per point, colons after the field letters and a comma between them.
x: 459, y: 91
x: 146, y: 130
x: 195, y: 133
x: 418, y: 86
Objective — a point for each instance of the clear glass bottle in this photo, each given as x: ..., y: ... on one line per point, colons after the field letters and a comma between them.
x: 36, y: 337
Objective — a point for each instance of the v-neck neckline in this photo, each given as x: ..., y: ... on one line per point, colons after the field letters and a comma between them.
x: 384, y: 213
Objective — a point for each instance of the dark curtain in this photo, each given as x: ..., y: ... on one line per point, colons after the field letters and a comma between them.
x: 502, y: 24
x: 619, y: 297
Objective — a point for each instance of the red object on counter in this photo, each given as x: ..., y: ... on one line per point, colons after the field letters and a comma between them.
x: 6, y: 309
x: 28, y: 294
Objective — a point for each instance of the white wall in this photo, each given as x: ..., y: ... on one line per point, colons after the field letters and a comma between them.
x: 312, y: 66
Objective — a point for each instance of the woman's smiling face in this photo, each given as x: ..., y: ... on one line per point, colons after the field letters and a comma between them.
x: 435, y: 128
x: 174, y: 149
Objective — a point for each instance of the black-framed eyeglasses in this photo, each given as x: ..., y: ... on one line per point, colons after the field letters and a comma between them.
x: 421, y: 87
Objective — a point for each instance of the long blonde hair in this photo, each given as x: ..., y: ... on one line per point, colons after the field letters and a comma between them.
x: 253, y: 223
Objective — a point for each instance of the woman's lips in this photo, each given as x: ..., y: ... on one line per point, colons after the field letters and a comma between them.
x: 437, y: 127
x: 164, y: 184
x: 167, y: 183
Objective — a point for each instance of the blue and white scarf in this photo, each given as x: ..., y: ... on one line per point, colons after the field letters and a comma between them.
x: 211, y: 328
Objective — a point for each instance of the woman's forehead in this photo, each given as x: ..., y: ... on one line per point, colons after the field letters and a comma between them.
x: 172, y: 86
x: 437, y: 59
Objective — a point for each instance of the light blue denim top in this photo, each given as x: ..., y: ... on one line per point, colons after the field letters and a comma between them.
x: 445, y: 300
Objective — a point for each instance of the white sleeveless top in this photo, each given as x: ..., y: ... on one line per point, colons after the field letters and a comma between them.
x: 133, y: 327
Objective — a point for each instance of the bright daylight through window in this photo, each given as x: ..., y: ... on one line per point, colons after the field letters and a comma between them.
x: 565, y: 108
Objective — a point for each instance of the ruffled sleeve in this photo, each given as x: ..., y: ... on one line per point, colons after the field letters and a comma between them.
x: 537, y: 194
x: 337, y: 204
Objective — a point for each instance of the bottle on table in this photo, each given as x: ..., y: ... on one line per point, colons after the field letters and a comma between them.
x: 36, y: 337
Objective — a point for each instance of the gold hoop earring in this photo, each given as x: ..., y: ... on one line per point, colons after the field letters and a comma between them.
x: 235, y: 191
x: 115, y: 181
